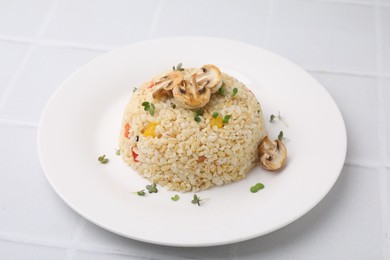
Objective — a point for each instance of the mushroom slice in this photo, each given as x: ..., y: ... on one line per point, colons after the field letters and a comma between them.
x: 273, y: 154
x: 191, y: 95
x: 208, y: 76
x: 166, y: 83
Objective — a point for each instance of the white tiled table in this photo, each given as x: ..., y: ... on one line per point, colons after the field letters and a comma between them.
x: 345, y: 44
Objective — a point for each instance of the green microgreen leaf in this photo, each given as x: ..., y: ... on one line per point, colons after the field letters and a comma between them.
x: 235, y: 91
x: 221, y: 91
x: 280, y: 136
x: 102, y: 159
x: 215, y: 114
x: 118, y: 151
x: 197, y: 119
x: 134, y: 89
x: 226, y: 119
x: 196, y: 200
x: 152, y: 188
x: 175, y: 198
x: 255, y: 188
x: 178, y: 67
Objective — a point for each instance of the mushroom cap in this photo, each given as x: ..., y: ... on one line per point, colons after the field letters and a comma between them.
x: 166, y: 83
x: 191, y: 95
x: 209, y: 76
x: 273, y: 154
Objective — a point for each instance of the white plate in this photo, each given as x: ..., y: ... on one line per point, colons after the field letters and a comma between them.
x: 82, y: 121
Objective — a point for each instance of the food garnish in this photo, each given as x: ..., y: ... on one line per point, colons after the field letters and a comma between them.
x: 175, y: 198
x: 255, y: 188
x: 215, y: 114
x: 141, y: 193
x: 273, y: 154
x: 197, y: 114
x: 152, y: 188
x: 118, y: 151
x: 234, y: 92
x: 196, y: 94
x: 196, y: 200
x: 148, y: 106
x: 134, y: 89
x: 280, y: 136
x: 173, y: 105
x: 226, y: 119
x: 221, y: 90
x: 179, y: 68
x: 273, y: 117
x: 102, y: 159
x: 165, y: 84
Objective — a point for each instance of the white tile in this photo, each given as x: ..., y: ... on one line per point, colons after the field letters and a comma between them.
x: 324, y: 35
x: 47, y: 68
x: 105, y: 22
x: 386, y: 99
x: 385, y: 17
x: 95, y: 237
x: 29, y: 207
x: 11, y: 54
x: 239, y: 20
x: 357, y: 99
x: 345, y: 225
x: 22, y: 18
x: 12, y: 250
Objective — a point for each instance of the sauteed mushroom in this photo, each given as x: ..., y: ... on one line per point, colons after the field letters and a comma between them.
x: 197, y: 92
x: 273, y: 154
x: 166, y: 83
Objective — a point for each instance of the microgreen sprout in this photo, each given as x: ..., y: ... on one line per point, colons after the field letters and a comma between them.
x: 175, y: 198
x: 280, y: 136
x: 196, y: 200
x: 255, y: 188
x: 215, y: 114
x: 102, y: 159
x: 226, y: 119
x: 234, y: 92
x: 141, y: 193
x: 221, y: 90
x: 152, y: 188
x: 118, y: 151
x: 273, y: 117
x: 148, y: 107
x: 173, y: 106
x: 134, y: 89
x: 178, y: 67
x: 197, y: 114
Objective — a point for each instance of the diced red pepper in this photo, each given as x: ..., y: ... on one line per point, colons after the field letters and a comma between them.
x: 151, y: 85
x: 127, y: 130
x: 135, y: 155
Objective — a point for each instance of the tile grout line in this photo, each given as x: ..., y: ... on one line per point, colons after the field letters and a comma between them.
x: 270, y: 12
x: 381, y: 132
x: 156, y: 16
x: 11, y: 123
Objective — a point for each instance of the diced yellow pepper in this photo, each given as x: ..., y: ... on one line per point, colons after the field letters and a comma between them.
x: 217, y: 121
x: 149, y: 130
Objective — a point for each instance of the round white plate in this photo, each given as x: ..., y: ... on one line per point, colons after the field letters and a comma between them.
x: 83, y: 118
